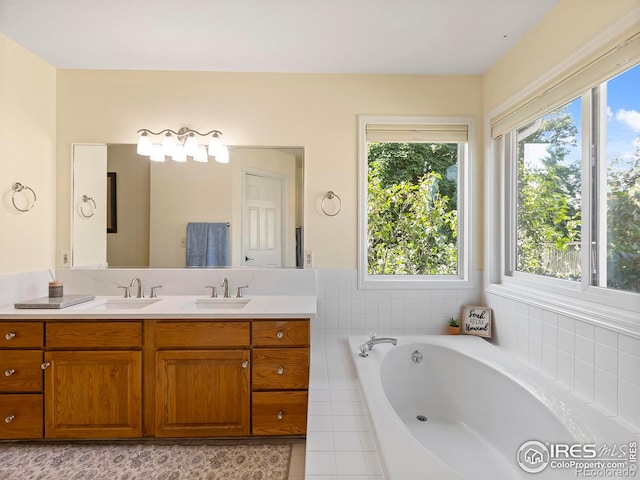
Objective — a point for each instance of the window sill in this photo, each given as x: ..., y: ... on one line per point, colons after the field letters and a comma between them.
x: 369, y: 282
x: 614, y: 318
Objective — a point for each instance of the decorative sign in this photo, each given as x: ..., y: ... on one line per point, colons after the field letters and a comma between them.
x: 476, y: 321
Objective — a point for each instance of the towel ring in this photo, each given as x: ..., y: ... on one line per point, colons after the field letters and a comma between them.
x: 86, y: 200
x: 18, y: 187
x: 330, y: 196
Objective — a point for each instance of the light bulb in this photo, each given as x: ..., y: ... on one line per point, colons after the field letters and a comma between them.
x: 214, y: 144
x: 201, y: 156
x: 168, y: 144
x: 223, y: 154
x: 179, y: 154
x: 144, y: 144
x: 191, y: 145
x: 156, y: 153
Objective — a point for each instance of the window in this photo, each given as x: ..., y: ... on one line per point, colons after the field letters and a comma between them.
x: 574, y: 214
x: 617, y: 212
x: 413, y: 180
x: 549, y: 194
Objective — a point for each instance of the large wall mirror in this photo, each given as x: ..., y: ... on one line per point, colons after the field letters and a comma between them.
x: 247, y: 213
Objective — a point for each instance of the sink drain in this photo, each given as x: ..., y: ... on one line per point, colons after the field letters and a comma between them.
x: 422, y: 418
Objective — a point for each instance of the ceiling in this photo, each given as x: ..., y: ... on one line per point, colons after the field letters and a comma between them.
x: 312, y: 36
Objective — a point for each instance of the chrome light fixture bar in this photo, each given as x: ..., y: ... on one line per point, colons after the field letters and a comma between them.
x: 178, y: 145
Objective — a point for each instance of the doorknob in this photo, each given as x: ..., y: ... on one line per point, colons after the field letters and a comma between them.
x: 246, y: 259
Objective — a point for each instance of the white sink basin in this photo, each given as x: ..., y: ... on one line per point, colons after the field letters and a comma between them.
x: 124, y: 303
x: 218, y: 303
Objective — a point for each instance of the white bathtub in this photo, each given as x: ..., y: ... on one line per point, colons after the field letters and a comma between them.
x: 480, y: 405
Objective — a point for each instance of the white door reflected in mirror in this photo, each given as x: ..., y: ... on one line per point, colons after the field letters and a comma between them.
x: 265, y: 207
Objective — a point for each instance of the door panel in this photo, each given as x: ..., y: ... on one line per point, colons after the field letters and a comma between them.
x: 262, y: 238
x: 93, y: 394
x: 202, y: 393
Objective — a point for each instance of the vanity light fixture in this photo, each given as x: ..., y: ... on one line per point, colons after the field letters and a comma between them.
x: 178, y: 145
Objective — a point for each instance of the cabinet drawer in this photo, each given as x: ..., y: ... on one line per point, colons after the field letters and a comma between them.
x: 20, y: 371
x: 272, y: 333
x: 280, y: 368
x: 20, y: 416
x: 110, y: 334
x: 279, y: 413
x: 202, y: 334
x: 21, y: 334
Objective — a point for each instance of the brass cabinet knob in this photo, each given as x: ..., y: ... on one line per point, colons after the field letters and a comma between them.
x: 8, y: 373
x: 280, y: 415
x: 10, y: 336
x: 280, y: 370
x: 9, y: 419
x: 245, y: 364
x: 45, y: 365
x: 280, y: 334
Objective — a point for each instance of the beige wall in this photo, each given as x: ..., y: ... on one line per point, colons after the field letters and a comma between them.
x: 129, y: 246
x: 318, y: 112
x: 315, y: 111
x: 27, y: 155
x: 566, y: 28
x: 208, y: 192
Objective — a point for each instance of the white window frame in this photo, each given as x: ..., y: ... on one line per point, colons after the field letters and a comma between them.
x: 610, y: 308
x: 511, y: 211
x: 466, y: 169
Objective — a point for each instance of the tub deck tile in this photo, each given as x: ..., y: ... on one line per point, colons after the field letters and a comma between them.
x: 340, y: 444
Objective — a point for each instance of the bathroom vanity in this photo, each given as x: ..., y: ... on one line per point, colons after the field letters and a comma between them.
x: 173, y: 368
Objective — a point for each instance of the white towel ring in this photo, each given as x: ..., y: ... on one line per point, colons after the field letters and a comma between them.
x: 330, y: 196
x: 86, y: 200
x: 18, y: 187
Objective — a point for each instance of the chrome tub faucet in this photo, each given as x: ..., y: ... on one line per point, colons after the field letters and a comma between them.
x: 368, y: 345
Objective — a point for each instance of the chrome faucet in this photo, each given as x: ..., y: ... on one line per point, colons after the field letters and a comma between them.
x: 368, y: 345
x: 136, y: 279
x: 225, y: 285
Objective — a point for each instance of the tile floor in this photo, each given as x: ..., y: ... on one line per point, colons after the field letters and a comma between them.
x: 296, y: 467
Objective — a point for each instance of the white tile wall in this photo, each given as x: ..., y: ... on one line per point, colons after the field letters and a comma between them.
x: 601, y: 365
x: 342, y: 307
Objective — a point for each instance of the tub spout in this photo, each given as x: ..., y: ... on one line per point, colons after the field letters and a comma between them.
x: 366, y: 346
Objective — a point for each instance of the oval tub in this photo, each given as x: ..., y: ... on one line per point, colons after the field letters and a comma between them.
x: 477, y: 406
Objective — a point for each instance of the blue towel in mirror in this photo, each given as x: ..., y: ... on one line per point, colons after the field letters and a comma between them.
x: 207, y: 244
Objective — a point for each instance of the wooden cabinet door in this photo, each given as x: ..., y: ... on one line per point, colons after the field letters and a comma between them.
x: 93, y: 394
x: 202, y: 393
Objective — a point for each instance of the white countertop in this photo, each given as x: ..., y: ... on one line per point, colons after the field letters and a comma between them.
x: 178, y: 306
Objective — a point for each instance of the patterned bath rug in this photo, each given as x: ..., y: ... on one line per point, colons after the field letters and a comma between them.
x: 20, y: 461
